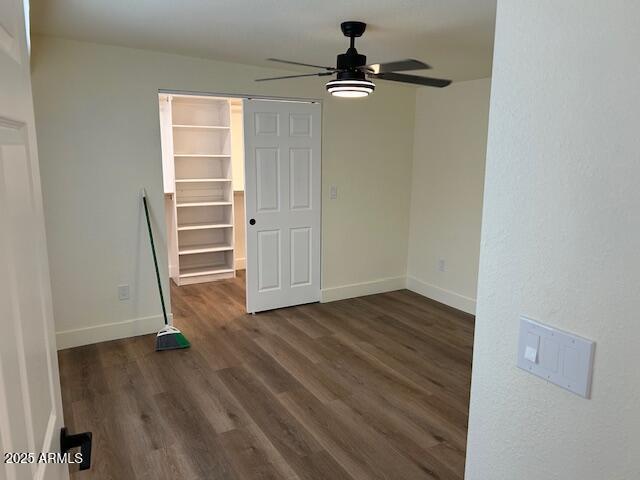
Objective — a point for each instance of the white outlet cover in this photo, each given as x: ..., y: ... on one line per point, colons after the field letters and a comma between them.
x: 557, y: 356
x: 123, y: 292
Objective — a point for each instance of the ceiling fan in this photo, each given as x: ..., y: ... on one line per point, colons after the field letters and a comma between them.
x: 353, y: 75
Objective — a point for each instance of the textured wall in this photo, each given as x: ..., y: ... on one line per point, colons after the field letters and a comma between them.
x: 560, y: 241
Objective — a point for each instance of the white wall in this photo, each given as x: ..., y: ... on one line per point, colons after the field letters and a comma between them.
x: 239, y: 225
x: 237, y: 144
x: 237, y: 168
x: 560, y: 241
x: 446, y: 196
x: 98, y: 135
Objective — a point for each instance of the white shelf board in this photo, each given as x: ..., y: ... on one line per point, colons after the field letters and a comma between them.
x: 203, y: 226
x: 198, y: 271
x: 202, y: 180
x: 203, y: 127
x: 206, y: 248
x: 202, y: 204
x: 201, y: 155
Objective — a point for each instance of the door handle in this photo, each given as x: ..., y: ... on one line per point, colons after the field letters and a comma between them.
x: 82, y: 440
x: 252, y: 221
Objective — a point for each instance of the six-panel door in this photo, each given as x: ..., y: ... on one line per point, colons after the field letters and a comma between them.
x: 283, y: 196
x: 30, y: 401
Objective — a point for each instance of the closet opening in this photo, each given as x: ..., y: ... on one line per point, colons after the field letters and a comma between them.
x: 252, y: 240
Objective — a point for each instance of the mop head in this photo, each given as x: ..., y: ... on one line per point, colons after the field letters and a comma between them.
x: 170, y: 338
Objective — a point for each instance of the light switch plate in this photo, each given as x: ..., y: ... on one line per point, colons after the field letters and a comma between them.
x: 557, y: 356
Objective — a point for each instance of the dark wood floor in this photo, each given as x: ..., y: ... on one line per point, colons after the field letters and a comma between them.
x: 368, y: 388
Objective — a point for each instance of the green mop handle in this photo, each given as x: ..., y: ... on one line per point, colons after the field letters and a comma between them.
x: 155, y: 259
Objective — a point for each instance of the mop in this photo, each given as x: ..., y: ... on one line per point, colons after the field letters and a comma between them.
x: 169, y: 338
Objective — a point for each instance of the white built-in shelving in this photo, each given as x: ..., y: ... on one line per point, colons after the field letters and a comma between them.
x: 203, y: 180
x: 211, y: 127
x: 196, y: 144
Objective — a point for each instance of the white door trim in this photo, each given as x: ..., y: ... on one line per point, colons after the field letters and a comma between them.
x: 242, y: 96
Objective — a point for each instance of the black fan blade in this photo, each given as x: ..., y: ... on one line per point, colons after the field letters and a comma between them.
x: 398, y: 66
x: 400, y: 77
x: 319, y: 74
x: 298, y: 63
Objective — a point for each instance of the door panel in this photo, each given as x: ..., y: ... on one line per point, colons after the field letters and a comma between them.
x: 300, y: 178
x: 267, y: 123
x: 269, y: 265
x: 21, y: 220
x: 301, y: 247
x: 300, y: 125
x: 282, y: 196
x: 268, y: 179
x: 30, y: 401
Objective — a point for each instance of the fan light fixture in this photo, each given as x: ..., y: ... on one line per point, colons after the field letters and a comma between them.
x: 353, y: 74
x: 350, y: 88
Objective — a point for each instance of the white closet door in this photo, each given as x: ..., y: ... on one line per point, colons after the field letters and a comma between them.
x: 30, y: 401
x: 282, y: 199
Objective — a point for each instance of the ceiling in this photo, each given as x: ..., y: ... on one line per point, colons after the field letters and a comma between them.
x: 454, y: 36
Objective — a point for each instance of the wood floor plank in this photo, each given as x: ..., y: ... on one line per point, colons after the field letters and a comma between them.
x: 421, y: 339
x: 403, y: 434
x: 168, y: 464
x: 112, y: 462
x: 248, y: 459
x: 295, y: 337
x: 430, y: 375
x: 355, y: 446
x: 375, y: 387
x: 397, y: 392
x: 436, y: 309
x: 313, y: 377
x: 322, y: 466
x: 305, y: 322
x: 259, y: 362
x: 274, y: 457
x: 206, y: 392
x: 81, y: 372
x: 195, y: 437
x: 384, y: 328
x: 282, y: 429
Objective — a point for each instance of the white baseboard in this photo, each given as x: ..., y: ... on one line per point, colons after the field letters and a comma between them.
x: 381, y: 285
x: 453, y: 299
x: 241, y: 263
x: 109, y: 331
x: 146, y: 325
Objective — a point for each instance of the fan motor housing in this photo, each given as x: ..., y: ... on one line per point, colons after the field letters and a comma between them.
x: 350, y: 60
x: 350, y: 75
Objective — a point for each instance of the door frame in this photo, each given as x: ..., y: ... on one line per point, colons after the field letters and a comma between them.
x: 272, y: 98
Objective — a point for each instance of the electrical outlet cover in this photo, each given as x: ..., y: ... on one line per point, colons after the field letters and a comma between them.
x: 123, y: 292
